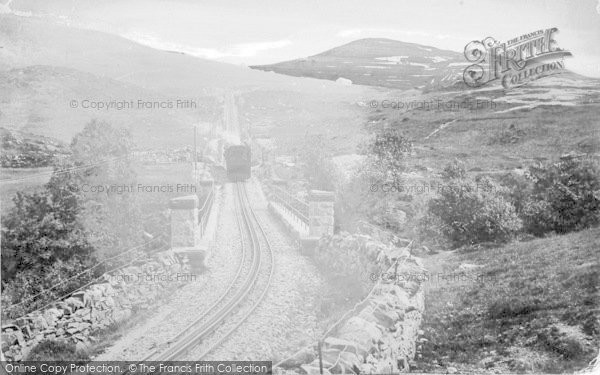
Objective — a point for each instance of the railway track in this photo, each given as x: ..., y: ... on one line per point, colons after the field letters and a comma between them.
x: 256, y: 259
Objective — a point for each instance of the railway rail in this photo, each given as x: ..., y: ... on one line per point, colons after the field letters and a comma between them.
x: 256, y: 259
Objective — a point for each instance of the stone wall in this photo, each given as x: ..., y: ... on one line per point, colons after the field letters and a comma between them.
x: 185, y: 231
x: 320, y: 213
x: 380, y: 334
x: 76, y: 318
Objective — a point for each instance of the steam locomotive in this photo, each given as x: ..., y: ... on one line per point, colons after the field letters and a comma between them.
x: 237, y: 162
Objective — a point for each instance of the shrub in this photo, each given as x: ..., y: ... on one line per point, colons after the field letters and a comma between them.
x: 568, y: 347
x: 388, y: 152
x: 565, y: 197
x: 43, y: 228
x: 473, y: 211
x: 50, y: 350
x: 318, y: 168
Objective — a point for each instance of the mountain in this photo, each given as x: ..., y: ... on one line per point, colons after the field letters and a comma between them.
x: 39, y: 41
x: 378, y: 62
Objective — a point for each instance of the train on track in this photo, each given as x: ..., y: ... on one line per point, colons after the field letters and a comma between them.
x: 238, y: 159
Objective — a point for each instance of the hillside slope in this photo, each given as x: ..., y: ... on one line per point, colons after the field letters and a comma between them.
x: 51, y: 101
x: 525, y: 307
x: 492, y: 129
x: 44, y: 66
x: 33, y: 41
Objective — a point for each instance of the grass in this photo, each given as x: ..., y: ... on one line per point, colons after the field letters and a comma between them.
x: 489, y: 141
x: 534, y: 308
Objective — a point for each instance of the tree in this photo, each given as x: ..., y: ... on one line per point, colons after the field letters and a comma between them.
x: 388, y: 151
x: 112, y: 220
x: 43, y: 228
x: 565, y: 197
x: 472, y: 210
x: 54, y: 234
x: 319, y: 170
x: 44, y: 244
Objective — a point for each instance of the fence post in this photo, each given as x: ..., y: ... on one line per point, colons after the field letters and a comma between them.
x: 320, y: 357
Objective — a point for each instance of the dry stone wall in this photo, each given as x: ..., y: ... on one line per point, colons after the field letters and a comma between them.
x: 380, y: 335
x: 76, y: 318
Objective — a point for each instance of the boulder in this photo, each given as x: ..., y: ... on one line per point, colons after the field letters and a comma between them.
x: 83, y: 297
x: 23, y: 321
x: 305, y: 355
x: 39, y: 323
x: 344, y: 345
x: 64, y: 307
x: 10, y: 327
x: 94, y: 294
x: 13, y: 337
x: 385, y: 367
x: 361, y: 331
x: 84, y: 313
x: 398, y: 253
x: 314, y: 370
x: 27, y: 332
x: 52, y: 315
x: 105, y: 303
x: 384, y: 317
x: 367, y: 368
x: 14, y: 353
x: 74, y: 303
x: 350, y: 362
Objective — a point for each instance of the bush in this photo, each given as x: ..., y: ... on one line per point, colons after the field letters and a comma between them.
x: 473, y: 211
x: 552, y: 340
x: 319, y: 169
x: 565, y: 197
x: 50, y: 350
x: 388, y: 151
x: 43, y: 228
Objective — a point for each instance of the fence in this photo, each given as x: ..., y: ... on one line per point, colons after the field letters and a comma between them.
x: 204, y: 211
x: 297, y: 208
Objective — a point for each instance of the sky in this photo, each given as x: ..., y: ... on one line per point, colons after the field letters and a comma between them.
x: 266, y: 31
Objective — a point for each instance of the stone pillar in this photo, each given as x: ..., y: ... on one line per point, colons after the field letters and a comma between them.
x: 320, y: 213
x: 184, y: 221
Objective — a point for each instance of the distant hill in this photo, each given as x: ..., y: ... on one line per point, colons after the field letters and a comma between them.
x: 37, y: 99
x: 43, y: 66
x: 379, y: 62
x: 32, y: 41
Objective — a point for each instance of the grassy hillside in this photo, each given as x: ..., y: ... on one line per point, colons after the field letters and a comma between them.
x: 38, y: 99
x: 534, y: 307
x: 493, y: 129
